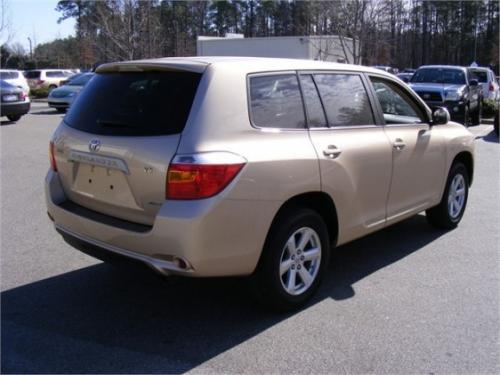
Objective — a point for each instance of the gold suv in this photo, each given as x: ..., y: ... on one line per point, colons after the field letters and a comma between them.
x: 230, y: 166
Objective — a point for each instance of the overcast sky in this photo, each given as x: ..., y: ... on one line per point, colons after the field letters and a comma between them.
x: 36, y: 19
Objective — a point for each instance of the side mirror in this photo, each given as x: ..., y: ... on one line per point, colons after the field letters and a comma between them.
x: 440, y: 116
x: 473, y: 82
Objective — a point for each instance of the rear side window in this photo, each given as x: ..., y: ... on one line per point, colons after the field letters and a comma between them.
x: 33, y: 74
x: 54, y: 74
x: 345, y: 99
x: 9, y: 75
x: 276, y: 102
x: 134, y: 104
x: 315, y: 113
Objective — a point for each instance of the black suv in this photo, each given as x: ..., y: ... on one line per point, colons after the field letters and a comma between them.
x: 453, y: 87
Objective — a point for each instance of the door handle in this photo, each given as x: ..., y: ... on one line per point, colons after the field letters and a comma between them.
x: 332, y: 151
x: 398, y: 144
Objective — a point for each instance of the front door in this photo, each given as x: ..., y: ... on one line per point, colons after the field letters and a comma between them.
x: 418, y: 151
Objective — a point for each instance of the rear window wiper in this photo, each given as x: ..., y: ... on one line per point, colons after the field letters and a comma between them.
x: 115, y: 124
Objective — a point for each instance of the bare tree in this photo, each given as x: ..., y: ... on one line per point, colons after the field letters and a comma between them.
x: 6, y: 33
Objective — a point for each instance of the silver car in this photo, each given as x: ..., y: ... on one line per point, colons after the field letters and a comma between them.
x: 62, y: 97
x: 225, y: 166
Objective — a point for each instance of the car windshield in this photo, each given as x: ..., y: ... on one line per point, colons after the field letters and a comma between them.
x: 9, y: 75
x: 80, y: 80
x: 439, y: 75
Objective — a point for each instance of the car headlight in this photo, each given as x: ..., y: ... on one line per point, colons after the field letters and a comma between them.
x: 452, y: 95
x: 71, y: 94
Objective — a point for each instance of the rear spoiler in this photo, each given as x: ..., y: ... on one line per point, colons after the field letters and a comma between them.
x: 167, y: 64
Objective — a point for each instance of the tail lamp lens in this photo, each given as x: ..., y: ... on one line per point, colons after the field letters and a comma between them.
x: 52, y: 158
x: 492, y: 87
x: 198, y: 181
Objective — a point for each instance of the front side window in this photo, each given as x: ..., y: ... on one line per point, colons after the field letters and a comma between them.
x: 275, y: 102
x: 345, y: 99
x: 396, y: 106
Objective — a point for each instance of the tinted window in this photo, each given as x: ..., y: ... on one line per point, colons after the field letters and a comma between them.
x: 315, y: 113
x: 54, y: 74
x: 276, y: 102
x: 345, y: 99
x: 137, y: 104
x: 33, y: 74
x: 9, y: 75
x: 396, y: 105
x: 439, y: 75
x: 481, y: 76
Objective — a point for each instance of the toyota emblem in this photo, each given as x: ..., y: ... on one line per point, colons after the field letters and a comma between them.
x: 94, y: 145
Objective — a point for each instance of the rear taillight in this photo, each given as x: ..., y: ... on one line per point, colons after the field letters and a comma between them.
x: 40, y: 82
x: 52, y: 158
x: 492, y: 86
x: 201, y: 175
x: 22, y: 96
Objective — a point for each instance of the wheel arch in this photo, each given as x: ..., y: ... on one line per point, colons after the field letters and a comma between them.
x: 318, y: 201
x: 466, y: 159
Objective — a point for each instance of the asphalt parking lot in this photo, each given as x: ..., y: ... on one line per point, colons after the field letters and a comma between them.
x: 407, y: 299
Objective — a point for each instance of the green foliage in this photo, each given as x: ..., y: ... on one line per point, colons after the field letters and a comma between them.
x: 39, y: 93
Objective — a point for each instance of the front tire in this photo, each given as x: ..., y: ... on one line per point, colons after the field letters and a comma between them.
x: 448, y: 213
x: 293, y: 260
x: 14, y: 118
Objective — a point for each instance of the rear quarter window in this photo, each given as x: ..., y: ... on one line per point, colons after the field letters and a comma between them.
x: 55, y: 74
x: 134, y: 104
x: 275, y: 102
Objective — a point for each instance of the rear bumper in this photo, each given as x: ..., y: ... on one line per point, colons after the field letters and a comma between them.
x: 13, y: 109
x: 209, y: 237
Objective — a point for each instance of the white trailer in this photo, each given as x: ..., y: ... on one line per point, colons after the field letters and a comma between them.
x: 324, y: 48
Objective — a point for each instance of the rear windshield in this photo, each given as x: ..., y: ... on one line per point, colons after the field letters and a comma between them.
x: 33, y: 74
x: 9, y: 75
x: 481, y: 75
x: 439, y: 75
x: 134, y: 104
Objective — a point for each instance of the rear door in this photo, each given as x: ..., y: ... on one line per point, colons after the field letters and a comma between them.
x: 354, y: 153
x: 418, y: 151
x: 116, y: 142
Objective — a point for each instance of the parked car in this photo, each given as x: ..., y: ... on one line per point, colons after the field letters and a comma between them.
x: 386, y: 68
x: 62, y: 97
x: 453, y: 87
x: 15, y: 78
x: 14, y: 102
x: 486, y: 77
x: 405, y: 77
x: 220, y: 166
x: 50, y: 78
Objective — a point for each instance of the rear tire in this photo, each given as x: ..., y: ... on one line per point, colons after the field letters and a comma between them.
x: 293, y: 261
x: 52, y: 87
x: 14, y: 118
x: 448, y: 213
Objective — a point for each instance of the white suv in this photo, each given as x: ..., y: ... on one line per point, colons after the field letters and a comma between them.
x: 50, y: 78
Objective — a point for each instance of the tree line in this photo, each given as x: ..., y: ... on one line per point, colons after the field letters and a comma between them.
x: 399, y: 33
